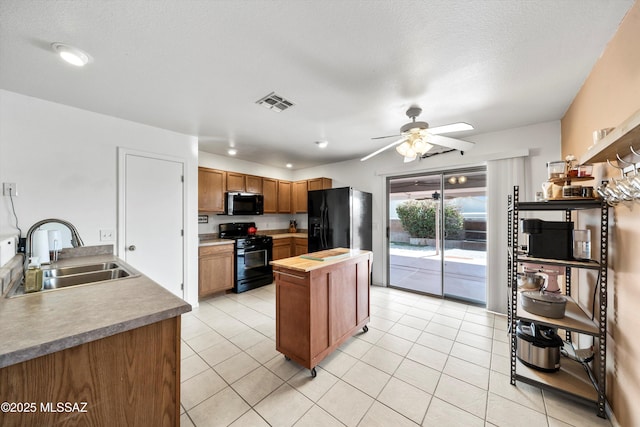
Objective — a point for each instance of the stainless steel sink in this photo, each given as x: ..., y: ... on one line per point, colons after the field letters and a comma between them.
x: 83, y: 278
x: 66, y: 271
x: 64, y: 277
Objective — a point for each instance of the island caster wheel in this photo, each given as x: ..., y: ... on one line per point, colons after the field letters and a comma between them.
x: 365, y: 328
x: 287, y: 358
x: 313, y: 372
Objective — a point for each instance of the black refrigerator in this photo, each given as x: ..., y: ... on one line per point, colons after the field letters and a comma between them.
x: 339, y: 218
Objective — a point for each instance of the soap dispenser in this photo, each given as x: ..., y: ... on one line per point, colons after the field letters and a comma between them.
x: 33, y: 277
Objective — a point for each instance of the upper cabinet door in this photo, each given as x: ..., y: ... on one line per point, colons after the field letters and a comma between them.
x: 253, y: 184
x: 300, y: 196
x: 235, y: 182
x: 270, y: 192
x: 211, y: 187
x: 284, y: 197
x: 319, y: 184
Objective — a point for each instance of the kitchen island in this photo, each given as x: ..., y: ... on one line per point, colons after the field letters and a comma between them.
x: 103, y: 353
x: 322, y: 299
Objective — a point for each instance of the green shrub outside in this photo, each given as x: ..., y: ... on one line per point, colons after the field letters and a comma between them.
x: 418, y: 218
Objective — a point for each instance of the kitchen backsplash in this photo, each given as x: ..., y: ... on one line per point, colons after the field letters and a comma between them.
x: 263, y: 222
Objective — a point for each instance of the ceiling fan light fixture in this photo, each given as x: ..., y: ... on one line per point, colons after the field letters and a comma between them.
x: 421, y: 146
x: 404, y: 148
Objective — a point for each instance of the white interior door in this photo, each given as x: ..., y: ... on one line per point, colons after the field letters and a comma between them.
x: 152, y: 218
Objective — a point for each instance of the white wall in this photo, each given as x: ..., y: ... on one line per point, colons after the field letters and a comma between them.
x: 64, y: 162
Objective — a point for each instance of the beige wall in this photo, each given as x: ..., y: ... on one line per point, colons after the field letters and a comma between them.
x: 610, y: 94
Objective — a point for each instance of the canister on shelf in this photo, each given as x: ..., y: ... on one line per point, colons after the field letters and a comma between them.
x: 585, y: 170
x: 572, y: 191
x: 557, y: 169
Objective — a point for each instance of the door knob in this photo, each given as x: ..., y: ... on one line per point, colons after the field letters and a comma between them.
x: 132, y: 247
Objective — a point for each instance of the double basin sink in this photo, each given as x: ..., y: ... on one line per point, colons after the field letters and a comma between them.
x: 64, y: 277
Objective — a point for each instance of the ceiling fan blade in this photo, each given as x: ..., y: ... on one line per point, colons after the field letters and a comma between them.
x: 453, y: 127
x: 384, y: 137
x: 409, y: 159
x: 386, y: 147
x: 454, y: 143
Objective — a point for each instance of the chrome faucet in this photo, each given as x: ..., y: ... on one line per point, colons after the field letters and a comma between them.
x: 76, y: 240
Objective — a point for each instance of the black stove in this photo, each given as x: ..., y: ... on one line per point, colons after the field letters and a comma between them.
x: 253, y: 254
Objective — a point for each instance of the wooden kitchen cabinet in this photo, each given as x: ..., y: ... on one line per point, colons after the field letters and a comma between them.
x: 215, y: 273
x: 281, y: 248
x: 236, y: 182
x: 253, y: 184
x: 320, y: 304
x: 300, y: 246
x: 319, y: 184
x: 270, y: 193
x: 128, y: 379
x: 302, y: 188
x: 300, y: 196
x: 211, y: 188
x: 284, y: 196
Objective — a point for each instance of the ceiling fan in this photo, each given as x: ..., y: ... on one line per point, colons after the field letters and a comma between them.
x: 417, y: 138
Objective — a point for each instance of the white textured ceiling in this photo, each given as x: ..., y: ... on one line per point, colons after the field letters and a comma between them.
x: 351, y: 67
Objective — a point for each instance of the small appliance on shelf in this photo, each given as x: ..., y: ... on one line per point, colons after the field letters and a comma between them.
x: 538, y: 346
x: 549, y: 239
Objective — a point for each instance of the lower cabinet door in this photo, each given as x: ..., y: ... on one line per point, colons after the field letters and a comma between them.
x: 215, y: 271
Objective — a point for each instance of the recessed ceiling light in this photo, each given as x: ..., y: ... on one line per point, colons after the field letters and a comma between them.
x: 322, y: 144
x: 232, y: 151
x: 289, y: 165
x: 71, y: 54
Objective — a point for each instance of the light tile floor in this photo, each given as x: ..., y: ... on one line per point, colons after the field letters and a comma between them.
x: 425, y: 361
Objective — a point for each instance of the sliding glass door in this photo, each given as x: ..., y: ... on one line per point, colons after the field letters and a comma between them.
x: 415, y: 244
x: 437, y: 234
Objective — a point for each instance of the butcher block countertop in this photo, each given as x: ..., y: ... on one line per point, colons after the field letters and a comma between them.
x: 315, y: 260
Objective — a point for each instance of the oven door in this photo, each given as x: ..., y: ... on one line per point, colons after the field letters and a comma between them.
x: 253, y: 258
x: 253, y: 264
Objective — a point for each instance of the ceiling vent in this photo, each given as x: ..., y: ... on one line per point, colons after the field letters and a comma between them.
x: 275, y: 102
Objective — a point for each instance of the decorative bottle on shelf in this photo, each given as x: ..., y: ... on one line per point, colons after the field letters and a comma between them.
x: 33, y: 277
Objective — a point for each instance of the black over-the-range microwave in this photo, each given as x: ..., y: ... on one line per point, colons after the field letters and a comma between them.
x: 243, y: 204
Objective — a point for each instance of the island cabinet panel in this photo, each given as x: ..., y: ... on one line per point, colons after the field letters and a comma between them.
x: 128, y: 379
x: 343, y: 302
x: 320, y: 304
